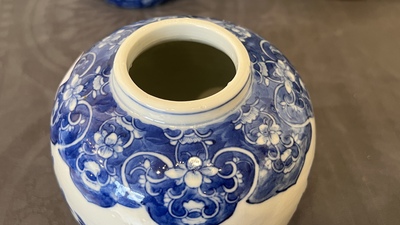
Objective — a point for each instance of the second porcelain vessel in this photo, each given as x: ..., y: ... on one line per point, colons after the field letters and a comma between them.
x: 135, y: 3
x: 181, y: 120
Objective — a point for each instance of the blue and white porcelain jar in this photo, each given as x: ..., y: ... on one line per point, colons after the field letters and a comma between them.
x: 240, y: 153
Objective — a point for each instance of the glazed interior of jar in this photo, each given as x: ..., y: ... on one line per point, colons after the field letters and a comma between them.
x: 182, y: 70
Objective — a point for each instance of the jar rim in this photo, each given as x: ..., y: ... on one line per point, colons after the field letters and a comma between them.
x: 131, y: 97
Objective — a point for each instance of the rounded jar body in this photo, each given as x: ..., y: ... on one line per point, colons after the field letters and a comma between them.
x: 238, y: 156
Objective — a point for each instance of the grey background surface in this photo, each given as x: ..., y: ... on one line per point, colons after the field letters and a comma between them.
x: 348, y: 53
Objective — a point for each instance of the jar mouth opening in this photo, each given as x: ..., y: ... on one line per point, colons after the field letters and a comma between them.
x: 175, y: 30
x: 182, y: 70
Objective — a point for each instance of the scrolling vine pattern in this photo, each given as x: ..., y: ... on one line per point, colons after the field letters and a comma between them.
x: 183, y: 176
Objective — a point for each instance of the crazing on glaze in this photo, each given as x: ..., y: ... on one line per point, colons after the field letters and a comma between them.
x: 183, y: 176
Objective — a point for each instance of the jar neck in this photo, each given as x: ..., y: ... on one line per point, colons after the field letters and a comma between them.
x: 158, y: 111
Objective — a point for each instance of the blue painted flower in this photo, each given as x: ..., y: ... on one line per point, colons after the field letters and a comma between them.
x: 269, y: 133
x: 71, y: 95
x: 194, y: 172
x: 107, y: 143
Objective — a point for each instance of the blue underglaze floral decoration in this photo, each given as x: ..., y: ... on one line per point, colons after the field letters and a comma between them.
x: 192, y: 176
